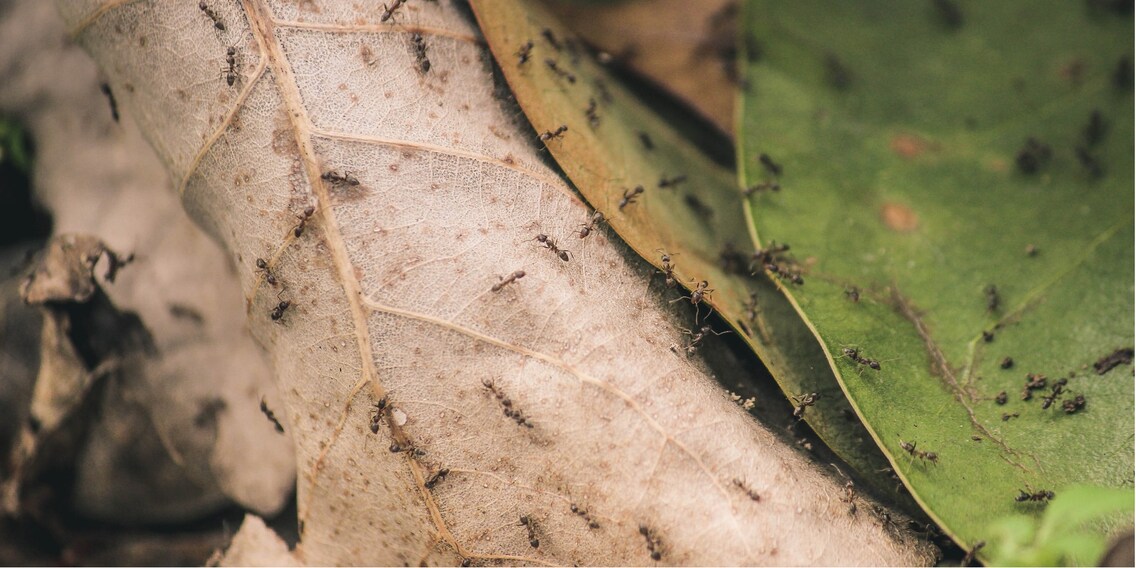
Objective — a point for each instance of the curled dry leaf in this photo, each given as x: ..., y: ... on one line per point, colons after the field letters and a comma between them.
x: 387, y: 185
x: 184, y: 377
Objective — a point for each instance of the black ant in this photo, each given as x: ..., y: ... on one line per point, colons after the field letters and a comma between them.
x: 753, y: 495
x: 992, y: 299
x: 217, y: 23
x: 1007, y: 363
x: 785, y: 273
x: 554, y: 134
x: 654, y: 545
x: 377, y: 416
x: 853, y: 293
x: 587, y: 228
x: 763, y: 186
x: 671, y: 182
x: 270, y: 415
x: 592, y: 524
x: 854, y: 354
x: 516, y: 275
x: 552, y: 66
x: 966, y: 560
x: 230, y: 69
x: 1072, y: 406
x: 1041, y: 496
x: 751, y: 307
x: 909, y: 447
x: 551, y: 245
x: 334, y: 177
x: 668, y: 269
x: 419, y: 44
x: 303, y: 216
x: 773, y: 167
x: 269, y: 277
x: 645, y: 139
x: 524, y: 52
x: 278, y: 311
x: 697, y: 337
x: 629, y: 196
x: 1056, y: 390
x: 530, y: 524
x: 803, y: 402
x: 701, y: 292
x: 591, y: 113
x: 507, y: 404
x: 438, y: 476
x: 550, y: 38
x: 389, y: 12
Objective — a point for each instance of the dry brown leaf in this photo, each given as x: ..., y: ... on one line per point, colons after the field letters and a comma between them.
x: 186, y: 406
x: 687, y: 48
x: 389, y: 298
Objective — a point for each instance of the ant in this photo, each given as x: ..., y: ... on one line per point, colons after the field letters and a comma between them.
x: 751, y: 307
x: 507, y: 403
x: 554, y: 134
x: 438, y: 476
x: 1041, y: 496
x: 654, y: 546
x: 419, y: 43
x: 591, y: 114
x: 909, y: 447
x: 753, y: 495
x: 334, y: 177
x: 552, y: 66
x: 262, y: 265
x: 278, y: 311
x: 230, y: 70
x: 671, y: 182
x: 592, y: 524
x: 854, y: 354
x: 377, y: 416
x: 530, y: 524
x: 645, y: 139
x: 551, y: 245
x: 803, y: 402
x: 966, y: 560
x: 550, y: 38
x: 629, y: 196
x: 701, y: 292
x: 992, y: 299
x: 389, y: 12
x: 516, y: 275
x: 853, y: 293
x: 1072, y: 406
x: 217, y: 23
x: 668, y: 269
x: 785, y: 273
x: 524, y: 52
x: 763, y: 186
x: 586, y: 228
x: 773, y: 167
x: 1056, y: 390
x: 696, y: 338
x: 303, y: 216
x: 270, y: 415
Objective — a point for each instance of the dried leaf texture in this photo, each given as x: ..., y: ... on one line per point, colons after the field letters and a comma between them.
x: 187, y: 407
x: 389, y: 297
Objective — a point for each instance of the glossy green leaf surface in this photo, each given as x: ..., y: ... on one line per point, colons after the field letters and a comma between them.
x: 902, y: 130
x: 612, y: 143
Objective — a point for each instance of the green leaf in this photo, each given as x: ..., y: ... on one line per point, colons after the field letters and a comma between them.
x: 902, y: 135
x: 613, y: 144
